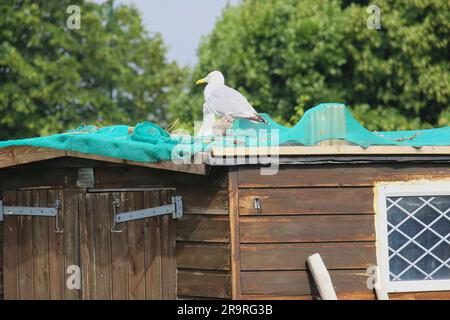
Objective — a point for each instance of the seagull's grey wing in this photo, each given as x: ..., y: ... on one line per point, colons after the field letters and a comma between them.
x: 227, y: 101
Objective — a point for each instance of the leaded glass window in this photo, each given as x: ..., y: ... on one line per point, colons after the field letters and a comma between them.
x: 418, y: 237
x: 414, y: 241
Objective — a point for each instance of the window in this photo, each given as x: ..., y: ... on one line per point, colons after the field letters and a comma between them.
x: 413, y: 236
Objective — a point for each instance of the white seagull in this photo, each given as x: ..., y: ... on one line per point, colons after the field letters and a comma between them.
x: 224, y: 101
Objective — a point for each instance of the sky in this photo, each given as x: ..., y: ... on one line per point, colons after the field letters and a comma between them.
x: 181, y: 23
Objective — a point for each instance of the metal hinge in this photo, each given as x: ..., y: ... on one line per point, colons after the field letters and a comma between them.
x: 175, y: 208
x: 27, y: 211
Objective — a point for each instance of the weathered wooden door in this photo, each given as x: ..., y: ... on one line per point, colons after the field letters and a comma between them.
x: 43, y: 256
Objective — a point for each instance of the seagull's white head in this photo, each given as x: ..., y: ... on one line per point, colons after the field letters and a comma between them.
x: 214, y: 78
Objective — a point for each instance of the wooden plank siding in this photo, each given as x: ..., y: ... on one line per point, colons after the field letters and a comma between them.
x: 30, y: 270
x: 203, y: 240
x: 201, y: 228
x: 307, y: 209
x: 292, y: 256
x: 204, y: 284
x: 168, y: 256
x: 36, y: 258
x: 202, y: 244
x: 40, y: 250
x: 153, y: 261
x: 203, y: 256
x: 300, y: 282
x: 304, y: 209
x: 300, y: 228
x: 56, y: 247
x: 294, y: 201
x: 340, y: 175
x: 202, y: 236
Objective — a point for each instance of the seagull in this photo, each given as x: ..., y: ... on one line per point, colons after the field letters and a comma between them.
x: 224, y: 101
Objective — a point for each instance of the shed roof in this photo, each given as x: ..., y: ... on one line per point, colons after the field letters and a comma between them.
x: 148, y: 145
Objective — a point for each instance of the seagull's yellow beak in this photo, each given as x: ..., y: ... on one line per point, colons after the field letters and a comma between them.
x: 201, y: 81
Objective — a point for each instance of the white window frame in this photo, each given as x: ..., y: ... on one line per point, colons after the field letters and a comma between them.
x: 431, y: 188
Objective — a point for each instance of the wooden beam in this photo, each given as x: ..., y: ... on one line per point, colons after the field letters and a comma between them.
x: 329, y: 150
x: 163, y: 165
x: 17, y: 155
x: 234, y: 234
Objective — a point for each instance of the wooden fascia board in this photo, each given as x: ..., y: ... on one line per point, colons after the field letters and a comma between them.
x: 329, y: 150
x: 17, y: 155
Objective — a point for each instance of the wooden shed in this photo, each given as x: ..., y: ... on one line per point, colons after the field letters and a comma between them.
x: 242, y: 235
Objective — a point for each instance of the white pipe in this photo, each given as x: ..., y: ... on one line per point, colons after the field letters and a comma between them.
x: 321, y: 277
x: 380, y: 290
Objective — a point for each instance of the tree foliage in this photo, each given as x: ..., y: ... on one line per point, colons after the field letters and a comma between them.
x: 53, y: 78
x: 288, y: 55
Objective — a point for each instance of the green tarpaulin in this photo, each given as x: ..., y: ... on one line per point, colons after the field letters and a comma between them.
x: 149, y: 143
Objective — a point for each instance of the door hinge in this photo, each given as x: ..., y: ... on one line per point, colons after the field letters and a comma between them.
x: 175, y: 208
x: 27, y: 211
